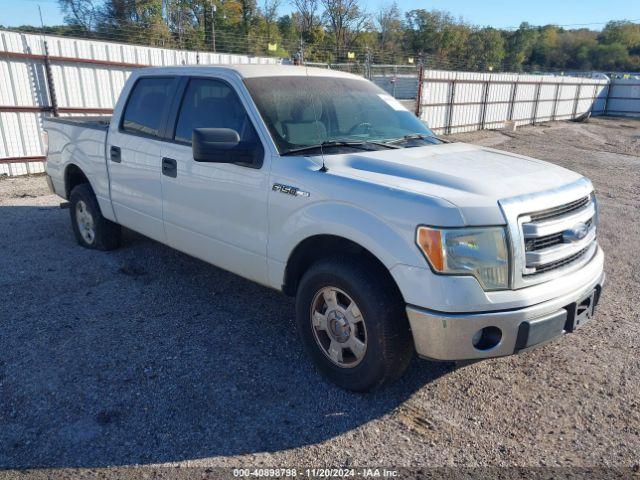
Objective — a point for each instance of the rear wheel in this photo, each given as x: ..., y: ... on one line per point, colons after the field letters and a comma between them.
x: 91, y: 229
x: 353, y: 324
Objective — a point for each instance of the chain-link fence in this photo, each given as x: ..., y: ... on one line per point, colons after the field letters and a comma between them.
x: 44, y: 75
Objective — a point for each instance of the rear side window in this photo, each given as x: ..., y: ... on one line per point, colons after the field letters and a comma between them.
x: 146, y: 103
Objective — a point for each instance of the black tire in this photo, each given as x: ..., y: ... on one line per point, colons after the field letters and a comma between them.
x: 106, y: 234
x: 389, y: 346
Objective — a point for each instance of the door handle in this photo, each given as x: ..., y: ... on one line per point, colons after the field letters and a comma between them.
x: 114, y: 154
x: 169, y: 167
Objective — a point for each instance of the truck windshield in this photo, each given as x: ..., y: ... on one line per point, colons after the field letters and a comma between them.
x: 312, y: 115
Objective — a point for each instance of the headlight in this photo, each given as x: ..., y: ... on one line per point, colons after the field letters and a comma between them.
x: 481, y: 252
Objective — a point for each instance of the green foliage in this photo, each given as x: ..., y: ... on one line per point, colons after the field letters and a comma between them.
x: 327, y: 30
x: 626, y: 34
x: 485, y: 49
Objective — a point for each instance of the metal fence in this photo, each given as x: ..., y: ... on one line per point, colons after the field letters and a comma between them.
x: 50, y: 75
x: 454, y: 102
x: 400, y: 81
x: 623, y: 97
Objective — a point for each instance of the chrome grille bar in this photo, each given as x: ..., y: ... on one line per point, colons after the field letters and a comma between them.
x: 558, y: 252
x: 542, y: 232
x: 558, y: 236
x: 560, y: 210
x: 558, y: 224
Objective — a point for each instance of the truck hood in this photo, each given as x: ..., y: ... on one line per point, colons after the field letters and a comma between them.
x: 472, y: 178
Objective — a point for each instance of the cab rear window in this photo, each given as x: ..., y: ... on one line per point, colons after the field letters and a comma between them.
x: 145, y: 106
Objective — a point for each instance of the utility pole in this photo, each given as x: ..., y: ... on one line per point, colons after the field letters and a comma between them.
x: 180, y: 25
x: 368, y: 60
x: 214, y: 8
x: 301, y: 51
x: 420, y: 91
x: 48, y: 75
x: 298, y: 59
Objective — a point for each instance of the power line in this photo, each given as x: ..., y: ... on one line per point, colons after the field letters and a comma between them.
x: 565, y: 24
x: 230, y: 42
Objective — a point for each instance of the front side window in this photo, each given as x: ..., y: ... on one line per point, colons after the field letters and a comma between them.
x: 335, y: 113
x: 146, y: 103
x: 212, y: 104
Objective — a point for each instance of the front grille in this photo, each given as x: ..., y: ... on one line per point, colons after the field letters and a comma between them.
x: 543, y: 242
x: 560, y: 211
x: 557, y: 237
x: 546, y: 241
x: 561, y: 263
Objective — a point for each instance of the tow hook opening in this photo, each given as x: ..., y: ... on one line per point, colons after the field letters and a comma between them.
x: 487, y: 338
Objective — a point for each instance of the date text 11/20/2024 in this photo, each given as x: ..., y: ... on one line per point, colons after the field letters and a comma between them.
x: 316, y: 472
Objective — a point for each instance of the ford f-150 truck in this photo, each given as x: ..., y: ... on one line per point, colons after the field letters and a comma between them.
x: 319, y: 184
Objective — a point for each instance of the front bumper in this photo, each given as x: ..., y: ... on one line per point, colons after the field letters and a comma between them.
x: 451, y: 336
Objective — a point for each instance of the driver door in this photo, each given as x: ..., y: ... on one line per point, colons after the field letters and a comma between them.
x: 215, y: 211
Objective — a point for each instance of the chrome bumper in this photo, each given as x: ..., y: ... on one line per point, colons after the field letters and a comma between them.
x: 450, y: 336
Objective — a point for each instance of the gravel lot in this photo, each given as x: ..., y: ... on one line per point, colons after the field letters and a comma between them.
x: 147, y: 356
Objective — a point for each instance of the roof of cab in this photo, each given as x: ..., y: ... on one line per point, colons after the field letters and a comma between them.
x: 250, y: 71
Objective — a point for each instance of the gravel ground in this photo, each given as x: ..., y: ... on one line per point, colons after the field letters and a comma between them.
x: 147, y: 356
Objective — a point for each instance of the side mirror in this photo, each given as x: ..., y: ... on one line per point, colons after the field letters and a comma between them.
x: 214, y: 144
x: 223, y: 145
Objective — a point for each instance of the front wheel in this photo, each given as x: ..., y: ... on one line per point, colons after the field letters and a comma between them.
x: 353, y: 324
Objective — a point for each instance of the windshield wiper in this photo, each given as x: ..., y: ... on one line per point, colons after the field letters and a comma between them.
x: 340, y: 143
x: 407, y: 138
x: 414, y: 136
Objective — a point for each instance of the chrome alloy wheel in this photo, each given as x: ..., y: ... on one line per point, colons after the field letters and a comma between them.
x: 338, y: 327
x: 84, y: 219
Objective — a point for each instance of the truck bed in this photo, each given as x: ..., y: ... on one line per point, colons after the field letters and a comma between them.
x: 79, y: 142
x: 96, y: 122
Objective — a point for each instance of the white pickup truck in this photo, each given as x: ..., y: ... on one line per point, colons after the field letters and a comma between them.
x: 319, y: 184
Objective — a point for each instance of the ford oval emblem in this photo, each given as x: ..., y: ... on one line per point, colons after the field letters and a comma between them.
x: 575, y: 234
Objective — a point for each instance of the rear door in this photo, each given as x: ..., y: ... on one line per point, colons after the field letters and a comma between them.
x: 215, y: 211
x: 134, y: 152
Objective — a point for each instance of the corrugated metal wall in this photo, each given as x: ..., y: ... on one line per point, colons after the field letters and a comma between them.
x: 87, y: 77
x: 401, y: 86
x: 624, y: 98
x: 453, y: 102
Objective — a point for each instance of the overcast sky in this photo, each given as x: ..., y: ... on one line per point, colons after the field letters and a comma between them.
x: 497, y: 13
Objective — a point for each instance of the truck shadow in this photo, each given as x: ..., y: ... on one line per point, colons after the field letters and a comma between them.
x: 145, y: 355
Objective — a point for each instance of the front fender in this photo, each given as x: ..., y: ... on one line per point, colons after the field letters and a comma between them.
x: 391, y: 244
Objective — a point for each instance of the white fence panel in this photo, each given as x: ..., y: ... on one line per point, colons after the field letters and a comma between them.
x: 88, y: 76
x: 455, y: 102
x: 624, y: 97
x: 90, y: 85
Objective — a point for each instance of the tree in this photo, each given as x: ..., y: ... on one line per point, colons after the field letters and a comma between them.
x: 289, y: 33
x: 328, y: 29
x: 613, y: 56
x: 270, y: 12
x: 438, y: 34
x: 249, y: 10
x: 79, y: 13
x: 519, y: 46
x: 344, y: 20
x: 485, y: 49
x: 625, y: 33
x: 390, y: 29
x: 307, y: 17
x: 133, y: 20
